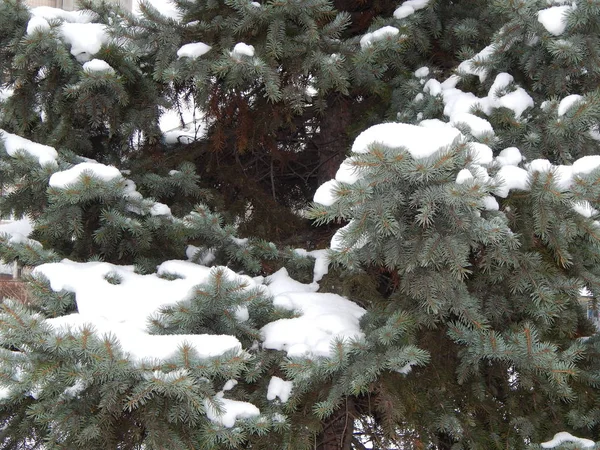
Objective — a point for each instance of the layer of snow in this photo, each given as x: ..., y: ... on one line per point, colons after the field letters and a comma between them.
x: 325, y: 194
x: 97, y: 65
x: 470, y: 67
x: 160, y: 209
x: 231, y: 411
x: 13, y: 143
x: 409, y: 7
x: 242, y: 49
x: 18, y: 229
x: 378, y: 35
x: 49, y: 13
x: 554, y: 19
x: 347, y: 173
x: 165, y: 7
x: 568, y: 102
x: 123, y: 309
x: 141, y: 346
x: 457, y: 102
x: 174, y: 131
x: 510, y: 156
x: 37, y: 24
x: 562, y: 437
x: 418, y: 141
x: 193, y: 50
x: 477, y: 125
x: 61, y: 180
x: 323, y: 319
x: 463, y: 176
x: 512, y: 178
x: 84, y: 38
x: 422, y: 72
x: 279, y: 388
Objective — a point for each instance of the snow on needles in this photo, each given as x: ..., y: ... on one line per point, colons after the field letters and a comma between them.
x: 193, y: 50
x: 562, y: 437
x: 115, y: 301
x: 409, y: 7
x: 324, y: 319
x: 70, y: 176
x: 13, y: 144
x: 378, y: 35
x: 77, y: 29
x: 554, y: 19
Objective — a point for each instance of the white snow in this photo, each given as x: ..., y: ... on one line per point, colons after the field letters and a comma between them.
x: 122, y: 310
x: 457, y: 102
x: 432, y: 87
x: 347, y: 173
x: 490, y: 203
x: 165, y: 7
x: 37, y: 24
x: 409, y: 7
x: 70, y: 176
x: 49, y: 13
x: 482, y: 154
x: 463, y: 176
x: 554, y: 19
x: 232, y: 410
x: 510, y: 156
x: 512, y: 178
x: 386, y: 32
x: 418, y: 141
x: 279, y: 388
x: 563, y: 436
x: 19, y: 228
x: 160, y: 209
x: 84, y: 38
x: 13, y: 143
x: 422, y: 72
x: 242, y: 49
x: 97, y: 65
x: 568, y: 102
x: 193, y: 50
x: 323, y: 319
x: 471, y: 67
x: 325, y: 194
x: 477, y: 125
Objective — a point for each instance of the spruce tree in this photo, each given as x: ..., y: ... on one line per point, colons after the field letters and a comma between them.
x: 452, y: 150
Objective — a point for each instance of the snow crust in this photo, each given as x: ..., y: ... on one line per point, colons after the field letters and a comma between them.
x: 567, y: 103
x: 409, y: 7
x: 279, y: 388
x: 469, y: 66
x: 563, y: 436
x: 17, y: 228
x: 324, y: 318
x: 554, y: 19
x: 49, y: 13
x: 84, y: 38
x: 13, y: 144
x: 193, y: 50
x: 418, y: 141
x: 242, y: 49
x: 422, y: 72
x: 63, y: 179
x: 97, y: 65
x: 37, y: 24
x: 231, y: 411
x: 378, y: 35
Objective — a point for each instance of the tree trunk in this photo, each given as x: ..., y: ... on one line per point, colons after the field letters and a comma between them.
x: 338, y: 429
x: 333, y: 141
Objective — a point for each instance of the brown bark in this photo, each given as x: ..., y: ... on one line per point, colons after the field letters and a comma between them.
x: 333, y: 141
x: 338, y: 429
